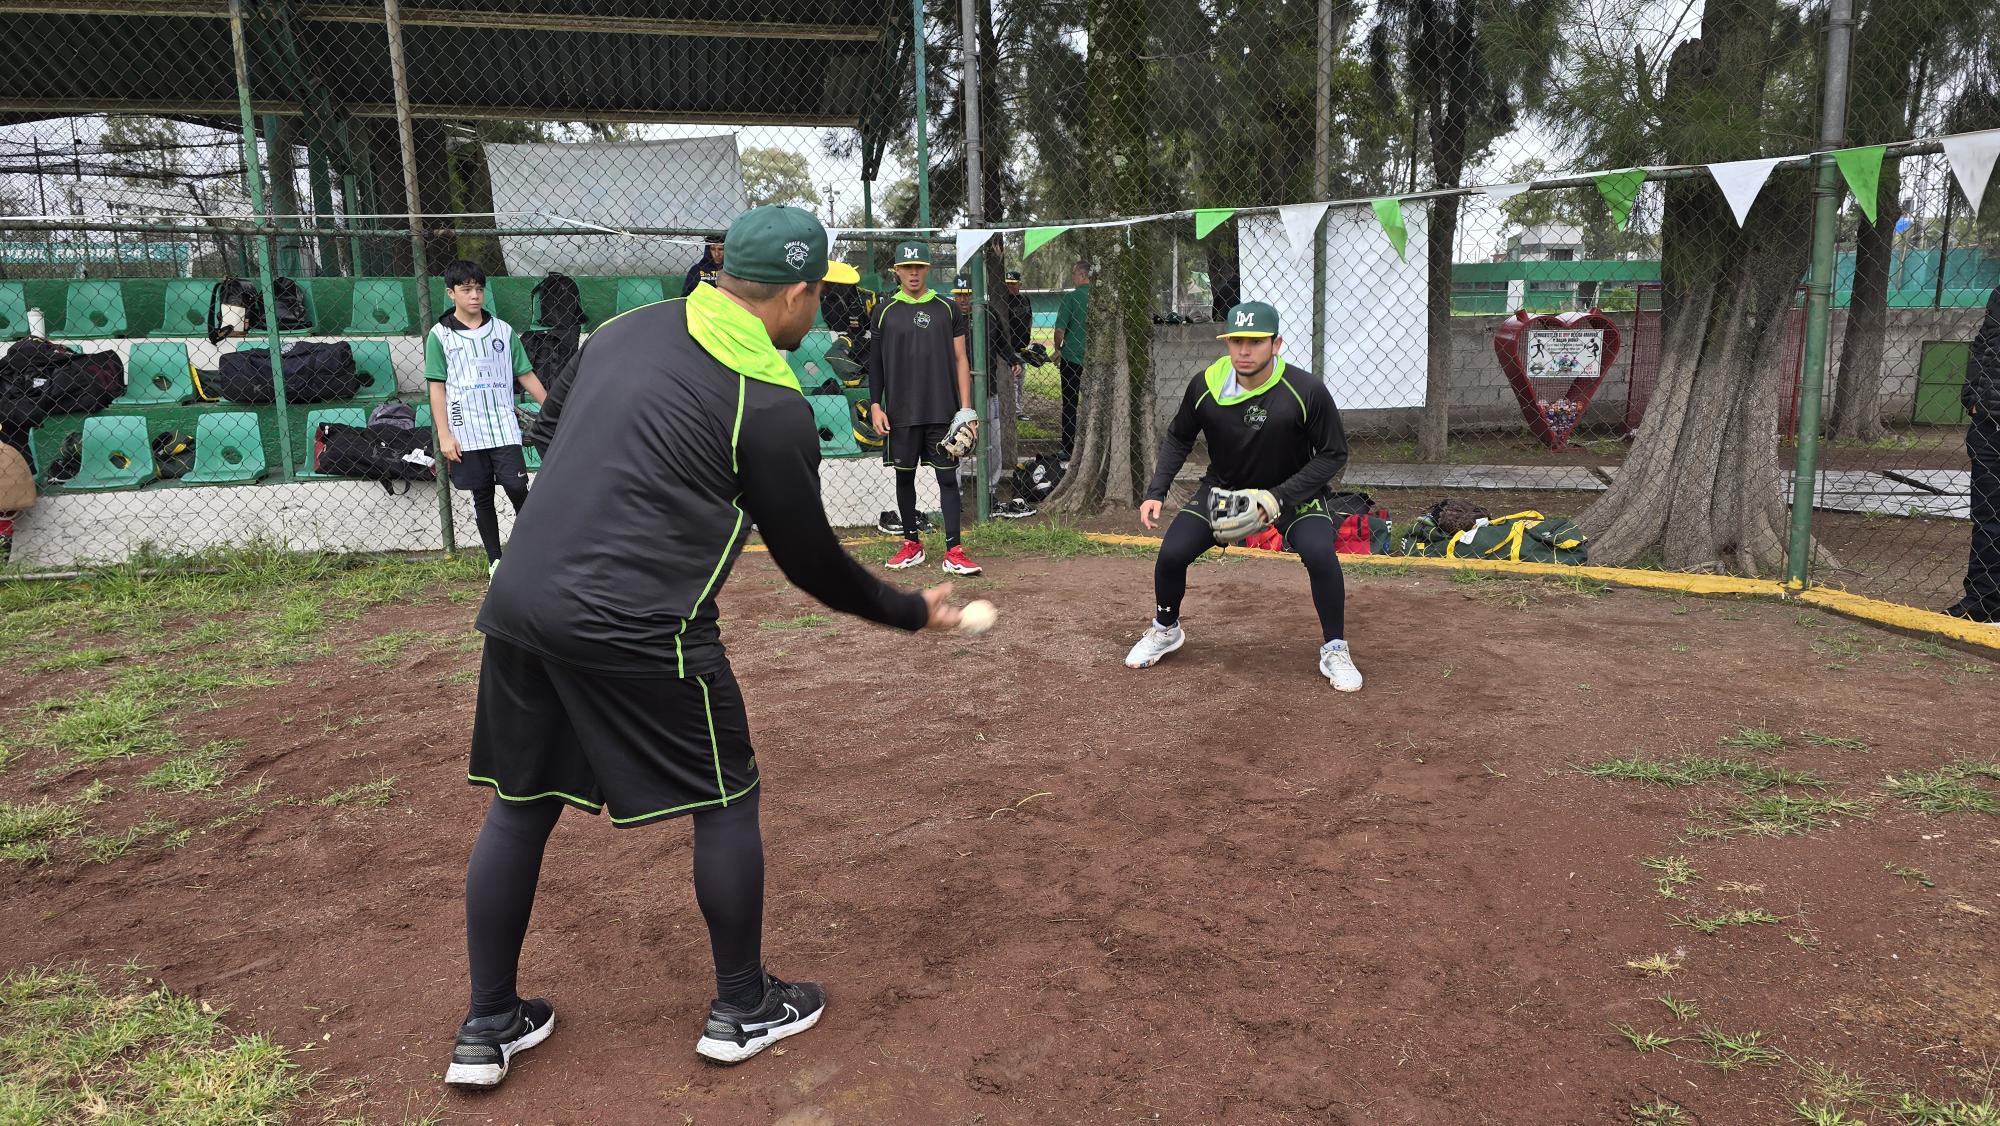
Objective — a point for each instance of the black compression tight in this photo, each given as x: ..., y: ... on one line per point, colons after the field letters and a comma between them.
x: 1188, y: 537
x: 507, y: 863
x: 948, y: 499
x: 488, y: 518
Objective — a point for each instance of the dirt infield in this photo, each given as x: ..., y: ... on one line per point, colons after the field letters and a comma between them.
x: 1043, y: 888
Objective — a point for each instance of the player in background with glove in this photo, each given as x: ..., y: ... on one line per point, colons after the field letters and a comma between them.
x: 920, y: 398
x: 1274, y: 445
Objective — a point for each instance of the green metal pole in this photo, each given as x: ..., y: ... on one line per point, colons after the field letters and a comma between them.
x: 923, y: 121
x: 350, y: 191
x: 254, y: 181
x: 1819, y: 289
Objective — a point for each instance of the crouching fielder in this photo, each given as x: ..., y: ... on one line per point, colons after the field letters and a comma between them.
x: 1274, y: 445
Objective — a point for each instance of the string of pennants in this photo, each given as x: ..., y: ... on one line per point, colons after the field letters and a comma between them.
x: 1971, y: 156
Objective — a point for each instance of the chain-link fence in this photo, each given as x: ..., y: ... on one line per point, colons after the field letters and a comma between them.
x: 1579, y: 259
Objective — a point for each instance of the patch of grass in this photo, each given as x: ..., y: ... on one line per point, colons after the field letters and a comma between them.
x: 388, y: 648
x: 1948, y: 789
x: 1648, y: 1041
x: 1754, y: 739
x: 1834, y: 741
x: 1929, y: 648
x: 1466, y: 576
x: 75, y: 659
x: 1674, y: 872
x: 371, y: 795
x: 1830, y: 1085
x: 1751, y: 776
x: 1683, y: 1008
x: 72, y: 1052
x: 1914, y: 875
x: 28, y: 831
x: 192, y: 772
x: 803, y: 621
x: 1823, y: 1115
x: 95, y: 725
x: 1921, y: 1110
x: 102, y: 848
x: 1050, y: 538
x: 1659, y: 1112
x: 1655, y: 965
x: 1732, y: 1051
x: 1774, y: 815
x: 1710, y: 924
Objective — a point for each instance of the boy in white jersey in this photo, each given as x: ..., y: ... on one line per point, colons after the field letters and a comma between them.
x: 472, y: 359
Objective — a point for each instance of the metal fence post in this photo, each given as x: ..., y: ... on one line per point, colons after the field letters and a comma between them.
x: 923, y: 118
x: 265, y: 279
x: 975, y: 207
x: 400, y: 75
x: 1322, y: 179
x: 1819, y: 287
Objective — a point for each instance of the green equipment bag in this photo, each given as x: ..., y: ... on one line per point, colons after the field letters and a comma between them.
x: 1521, y: 537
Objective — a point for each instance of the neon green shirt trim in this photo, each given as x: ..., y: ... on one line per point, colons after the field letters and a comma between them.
x: 737, y: 340
x: 1217, y: 376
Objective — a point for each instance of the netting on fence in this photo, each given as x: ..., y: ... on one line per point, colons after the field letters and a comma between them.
x: 1571, y: 262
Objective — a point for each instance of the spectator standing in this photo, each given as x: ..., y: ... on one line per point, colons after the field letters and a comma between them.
x: 1070, y: 323
x: 707, y: 268
x: 1981, y: 398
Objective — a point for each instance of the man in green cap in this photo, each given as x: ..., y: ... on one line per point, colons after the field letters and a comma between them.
x: 603, y: 684
x: 1274, y: 445
x: 920, y: 396
x: 1072, y: 319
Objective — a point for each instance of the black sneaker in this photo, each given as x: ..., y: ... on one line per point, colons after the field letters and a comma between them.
x: 487, y: 1045
x: 1016, y: 509
x: 734, y: 1035
x: 1970, y: 612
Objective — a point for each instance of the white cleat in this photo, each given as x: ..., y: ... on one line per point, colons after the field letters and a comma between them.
x: 1156, y: 642
x: 1336, y: 664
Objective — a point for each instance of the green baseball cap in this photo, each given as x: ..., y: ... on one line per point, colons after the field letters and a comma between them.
x: 912, y: 254
x: 1250, y: 319
x: 780, y: 246
x: 961, y: 284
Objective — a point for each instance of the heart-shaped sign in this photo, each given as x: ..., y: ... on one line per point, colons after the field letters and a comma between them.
x: 1555, y: 362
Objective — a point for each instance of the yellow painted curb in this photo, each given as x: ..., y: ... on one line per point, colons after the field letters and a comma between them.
x: 1900, y: 617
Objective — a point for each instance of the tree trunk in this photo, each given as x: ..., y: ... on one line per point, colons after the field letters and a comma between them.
x: 1703, y: 488
x: 1857, y: 398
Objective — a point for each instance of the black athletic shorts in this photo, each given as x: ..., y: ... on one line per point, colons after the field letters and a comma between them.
x: 909, y: 445
x: 504, y: 466
x: 644, y: 747
x: 1288, y: 514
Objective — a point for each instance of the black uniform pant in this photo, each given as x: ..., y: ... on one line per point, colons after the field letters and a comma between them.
x: 1072, y: 390
x: 1309, y: 534
x: 1982, y: 572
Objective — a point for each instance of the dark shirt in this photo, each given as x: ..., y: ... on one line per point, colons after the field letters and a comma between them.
x: 702, y: 271
x: 1982, y: 369
x: 662, y: 457
x: 912, y: 361
x: 1020, y: 319
x: 1285, y: 436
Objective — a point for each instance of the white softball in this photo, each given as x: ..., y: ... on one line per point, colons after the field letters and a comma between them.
x: 977, y: 617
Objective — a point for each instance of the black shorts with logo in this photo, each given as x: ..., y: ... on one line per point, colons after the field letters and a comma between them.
x: 505, y: 466
x: 645, y: 748
x: 909, y: 445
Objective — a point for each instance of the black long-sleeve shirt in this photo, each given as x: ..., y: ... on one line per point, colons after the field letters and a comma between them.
x: 1285, y: 436
x: 1982, y: 370
x: 662, y: 457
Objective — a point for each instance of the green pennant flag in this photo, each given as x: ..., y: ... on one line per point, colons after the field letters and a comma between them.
x: 1619, y: 190
x: 1862, y: 168
x: 1390, y: 212
x: 1206, y: 219
x: 1034, y: 238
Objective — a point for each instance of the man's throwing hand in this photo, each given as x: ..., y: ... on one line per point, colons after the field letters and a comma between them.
x: 1149, y: 514
x: 878, y: 419
x: 943, y: 614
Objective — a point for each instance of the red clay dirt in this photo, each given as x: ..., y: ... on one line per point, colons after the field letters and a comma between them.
x: 1041, y: 887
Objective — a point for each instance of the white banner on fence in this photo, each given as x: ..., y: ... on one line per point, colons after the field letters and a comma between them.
x: 1376, y: 348
x: 689, y: 182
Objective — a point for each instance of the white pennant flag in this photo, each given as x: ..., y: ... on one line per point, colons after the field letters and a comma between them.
x: 1301, y: 220
x: 1971, y: 156
x: 1501, y: 193
x: 832, y: 236
x: 1741, y: 181
x: 969, y: 243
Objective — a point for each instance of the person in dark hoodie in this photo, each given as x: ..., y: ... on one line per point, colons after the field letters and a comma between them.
x: 1981, y: 399
x: 471, y: 361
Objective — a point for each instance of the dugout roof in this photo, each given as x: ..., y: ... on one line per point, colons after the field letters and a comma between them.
x: 793, y: 62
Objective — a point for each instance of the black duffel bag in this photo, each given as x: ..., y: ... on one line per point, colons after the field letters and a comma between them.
x: 39, y: 378
x: 314, y: 373
x: 381, y: 452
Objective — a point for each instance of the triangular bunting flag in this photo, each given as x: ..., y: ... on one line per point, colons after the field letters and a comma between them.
x: 1390, y: 212
x: 1206, y: 219
x: 832, y: 236
x: 969, y: 243
x: 1501, y: 193
x: 1301, y: 220
x: 1619, y: 190
x: 1034, y: 238
x: 1863, y: 169
x: 1971, y: 156
x: 1741, y: 180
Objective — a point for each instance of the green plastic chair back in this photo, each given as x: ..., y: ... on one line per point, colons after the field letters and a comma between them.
x: 117, y: 454
x: 185, y: 309
x: 228, y: 449
x: 809, y: 361
x: 338, y: 416
x: 379, y: 308
x: 378, y: 370
x: 94, y: 310
x: 156, y: 374
x: 834, y: 420
x: 13, y: 310
x: 634, y: 292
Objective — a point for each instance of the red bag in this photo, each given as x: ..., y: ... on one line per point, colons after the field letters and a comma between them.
x: 1353, y: 535
x: 1267, y: 540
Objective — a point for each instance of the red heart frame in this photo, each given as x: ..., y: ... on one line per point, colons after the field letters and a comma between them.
x: 1552, y: 422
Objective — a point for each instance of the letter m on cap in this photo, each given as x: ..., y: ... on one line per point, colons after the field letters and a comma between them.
x: 1246, y: 319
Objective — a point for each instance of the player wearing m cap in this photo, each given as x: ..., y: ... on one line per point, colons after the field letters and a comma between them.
x: 603, y: 684
x: 1274, y: 444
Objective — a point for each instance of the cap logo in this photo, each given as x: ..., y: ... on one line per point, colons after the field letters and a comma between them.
x: 796, y: 253
x: 1246, y: 319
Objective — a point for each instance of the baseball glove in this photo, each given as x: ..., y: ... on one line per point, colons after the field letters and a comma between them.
x: 1237, y: 514
x: 959, y: 438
